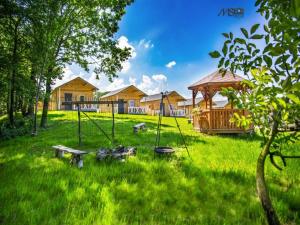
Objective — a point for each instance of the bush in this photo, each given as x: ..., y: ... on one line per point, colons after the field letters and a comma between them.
x: 22, y: 127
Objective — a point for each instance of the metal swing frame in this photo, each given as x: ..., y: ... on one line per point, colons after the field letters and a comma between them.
x: 160, y: 149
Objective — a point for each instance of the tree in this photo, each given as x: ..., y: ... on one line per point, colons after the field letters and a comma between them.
x: 272, y: 93
x: 13, y: 60
x: 82, y: 32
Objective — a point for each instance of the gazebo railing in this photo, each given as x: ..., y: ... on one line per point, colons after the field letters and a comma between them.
x: 216, y: 120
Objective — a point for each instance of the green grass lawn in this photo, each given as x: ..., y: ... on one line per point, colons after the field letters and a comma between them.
x: 216, y: 186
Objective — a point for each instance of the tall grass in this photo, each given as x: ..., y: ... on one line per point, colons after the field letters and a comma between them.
x: 215, y: 186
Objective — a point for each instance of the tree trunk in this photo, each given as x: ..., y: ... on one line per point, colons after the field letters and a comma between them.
x: 30, y: 109
x: 11, y: 95
x: 261, y: 186
x: 46, y: 103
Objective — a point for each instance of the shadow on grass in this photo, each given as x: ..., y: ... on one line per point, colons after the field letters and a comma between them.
x: 245, y: 136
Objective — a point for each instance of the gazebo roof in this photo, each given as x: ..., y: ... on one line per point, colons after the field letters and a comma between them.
x: 217, y: 80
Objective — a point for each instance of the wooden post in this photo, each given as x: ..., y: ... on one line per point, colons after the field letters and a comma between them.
x: 210, y: 109
x: 194, y: 96
x: 59, y: 99
x: 79, y: 125
x: 113, y: 123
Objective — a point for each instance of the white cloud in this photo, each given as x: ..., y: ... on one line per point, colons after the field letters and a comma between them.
x: 132, y: 80
x: 171, y: 64
x: 116, y: 84
x: 154, y: 84
x: 125, y: 66
x: 145, y: 44
x: 146, y: 83
x: 123, y: 43
x: 67, y: 76
x: 159, y: 77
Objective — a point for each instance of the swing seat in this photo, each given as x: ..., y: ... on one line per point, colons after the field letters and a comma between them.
x: 164, y: 150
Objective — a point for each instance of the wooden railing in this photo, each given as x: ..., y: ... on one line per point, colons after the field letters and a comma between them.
x: 217, y: 120
x: 136, y: 110
x: 177, y: 113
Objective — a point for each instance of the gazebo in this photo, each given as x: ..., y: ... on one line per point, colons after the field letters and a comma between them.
x: 211, y: 120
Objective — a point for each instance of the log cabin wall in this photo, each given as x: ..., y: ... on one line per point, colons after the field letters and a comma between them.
x: 152, y: 107
x: 74, y: 90
x: 189, y: 108
x: 130, y: 96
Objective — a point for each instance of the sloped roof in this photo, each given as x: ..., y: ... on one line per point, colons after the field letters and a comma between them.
x: 220, y: 103
x: 77, y: 78
x: 112, y: 93
x: 190, y: 101
x: 156, y: 97
x: 217, y: 78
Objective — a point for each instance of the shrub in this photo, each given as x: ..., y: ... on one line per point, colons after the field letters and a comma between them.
x: 22, y: 127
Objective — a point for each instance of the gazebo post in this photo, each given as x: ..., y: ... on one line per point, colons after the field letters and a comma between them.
x: 194, y: 97
x: 210, y: 108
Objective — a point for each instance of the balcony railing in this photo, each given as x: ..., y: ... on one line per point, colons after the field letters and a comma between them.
x: 177, y: 113
x: 136, y: 110
x: 87, y: 108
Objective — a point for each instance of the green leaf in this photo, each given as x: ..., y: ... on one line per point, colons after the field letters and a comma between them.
x: 296, y: 87
x: 257, y: 36
x: 245, y: 32
x: 268, y: 60
x: 215, y: 54
x: 282, y: 102
x: 254, y: 28
x: 221, y: 62
x: 257, y: 2
x: 276, y: 51
x: 227, y: 63
x: 274, y: 105
x: 225, y: 35
x: 240, y: 41
x: 267, y: 39
x: 225, y: 49
x: 231, y: 35
x: 278, y: 60
x: 294, y: 98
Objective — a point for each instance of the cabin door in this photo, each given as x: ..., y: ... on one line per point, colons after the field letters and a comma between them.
x: 121, y: 106
x: 68, y: 98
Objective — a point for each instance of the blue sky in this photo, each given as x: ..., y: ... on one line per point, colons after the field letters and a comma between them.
x: 170, y: 41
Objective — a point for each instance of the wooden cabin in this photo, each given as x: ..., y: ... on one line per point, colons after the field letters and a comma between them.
x: 152, y: 104
x: 77, y: 89
x: 187, y: 105
x: 211, y: 119
x: 129, y: 97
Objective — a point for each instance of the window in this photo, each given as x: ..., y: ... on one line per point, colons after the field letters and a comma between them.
x: 131, y: 103
x: 82, y: 98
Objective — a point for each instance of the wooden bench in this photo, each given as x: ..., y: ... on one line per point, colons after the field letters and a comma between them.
x: 77, y: 155
x: 137, y: 127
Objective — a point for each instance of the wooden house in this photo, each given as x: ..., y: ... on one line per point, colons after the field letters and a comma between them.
x: 187, y: 105
x: 77, y: 89
x: 129, y: 98
x: 170, y: 108
x: 212, y: 119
